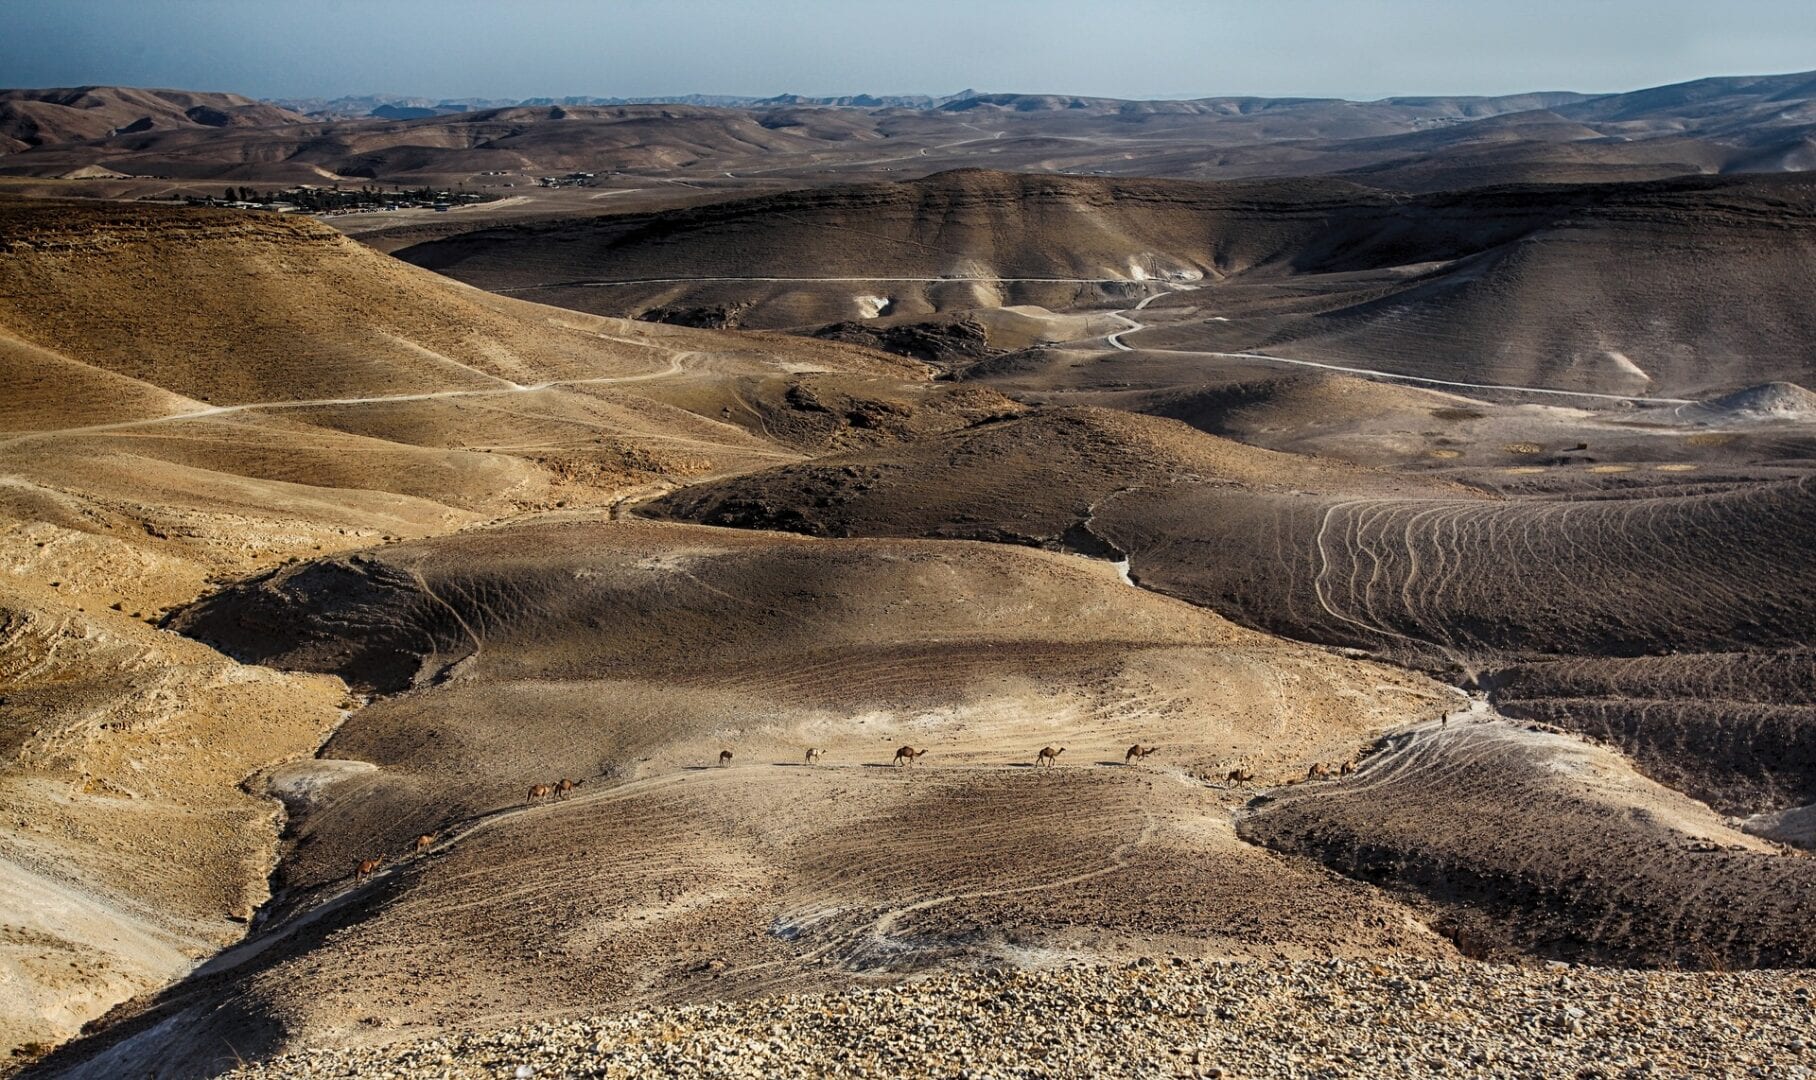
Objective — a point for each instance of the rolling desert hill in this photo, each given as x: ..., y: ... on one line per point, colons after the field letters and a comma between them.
x: 630, y: 654
x: 1390, y: 575
x: 196, y: 395
x: 1672, y: 288
x: 1411, y: 568
x: 53, y: 117
x: 1035, y: 480
x: 959, y: 240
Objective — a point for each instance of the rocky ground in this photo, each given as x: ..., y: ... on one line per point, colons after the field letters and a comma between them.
x: 1179, y: 1018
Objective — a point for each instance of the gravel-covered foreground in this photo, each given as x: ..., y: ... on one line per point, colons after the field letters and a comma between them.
x: 1326, y: 1018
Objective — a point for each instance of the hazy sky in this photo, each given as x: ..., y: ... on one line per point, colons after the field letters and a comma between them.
x: 1116, y: 48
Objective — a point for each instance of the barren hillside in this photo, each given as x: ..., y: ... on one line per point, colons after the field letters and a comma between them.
x: 33, y: 118
x: 630, y: 655
x: 1671, y: 289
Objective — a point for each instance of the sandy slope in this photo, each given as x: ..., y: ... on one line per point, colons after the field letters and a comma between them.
x: 127, y: 851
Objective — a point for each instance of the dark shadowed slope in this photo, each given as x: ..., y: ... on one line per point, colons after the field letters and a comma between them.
x: 1551, y: 846
x: 1703, y: 571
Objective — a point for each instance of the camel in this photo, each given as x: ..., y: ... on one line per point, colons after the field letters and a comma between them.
x: 813, y: 754
x: 366, y: 867
x: 1318, y: 771
x: 1347, y: 768
x: 539, y: 792
x: 1048, y: 756
x: 565, y: 787
x: 424, y: 841
x: 907, y: 754
x: 1137, y: 752
x: 1241, y: 776
x: 725, y: 757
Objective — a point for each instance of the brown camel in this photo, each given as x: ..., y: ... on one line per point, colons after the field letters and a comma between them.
x: 1347, y: 768
x: 1241, y: 776
x: 539, y: 792
x: 366, y: 867
x: 1318, y: 771
x: 813, y: 755
x: 907, y: 754
x: 1137, y: 752
x: 424, y: 842
x: 1048, y: 756
x: 565, y: 787
x: 725, y: 757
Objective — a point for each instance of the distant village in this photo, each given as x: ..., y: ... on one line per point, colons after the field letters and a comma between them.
x: 308, y: 199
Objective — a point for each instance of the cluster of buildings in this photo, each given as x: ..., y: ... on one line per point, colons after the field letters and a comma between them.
x: 573, y: 179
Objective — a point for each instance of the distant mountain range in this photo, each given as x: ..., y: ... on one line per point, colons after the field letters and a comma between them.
x: 1710, y: 126
x: 402, y: 107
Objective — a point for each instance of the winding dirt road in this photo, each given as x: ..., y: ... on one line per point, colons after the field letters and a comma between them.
x: 675, y: 367
x: 1115, y: 341
x: 592, y: 283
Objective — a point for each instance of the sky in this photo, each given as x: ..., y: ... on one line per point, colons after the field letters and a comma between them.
x: 513, y: 49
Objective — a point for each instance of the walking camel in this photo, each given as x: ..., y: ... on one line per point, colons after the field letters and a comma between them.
x: 424, y: 842
x: 813, y: 755
x: 539, y: 792
x: 1048, y: 756
x: 907, y: 754
x: 725, y: 757
x: 565, y: 787
x: 1240, y: 775
x: 367, y: 866
x: 1137, y: 752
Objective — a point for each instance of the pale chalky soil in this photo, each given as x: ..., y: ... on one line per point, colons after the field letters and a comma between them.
x: 1313, y: 1019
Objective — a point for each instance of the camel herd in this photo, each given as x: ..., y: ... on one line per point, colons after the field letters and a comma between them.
x: 1318, y: 771
x: 1321, y: 771
x: 561, y: 789
x: 905, y: 756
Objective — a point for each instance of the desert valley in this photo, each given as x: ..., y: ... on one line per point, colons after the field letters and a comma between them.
x: 1260, y: 586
